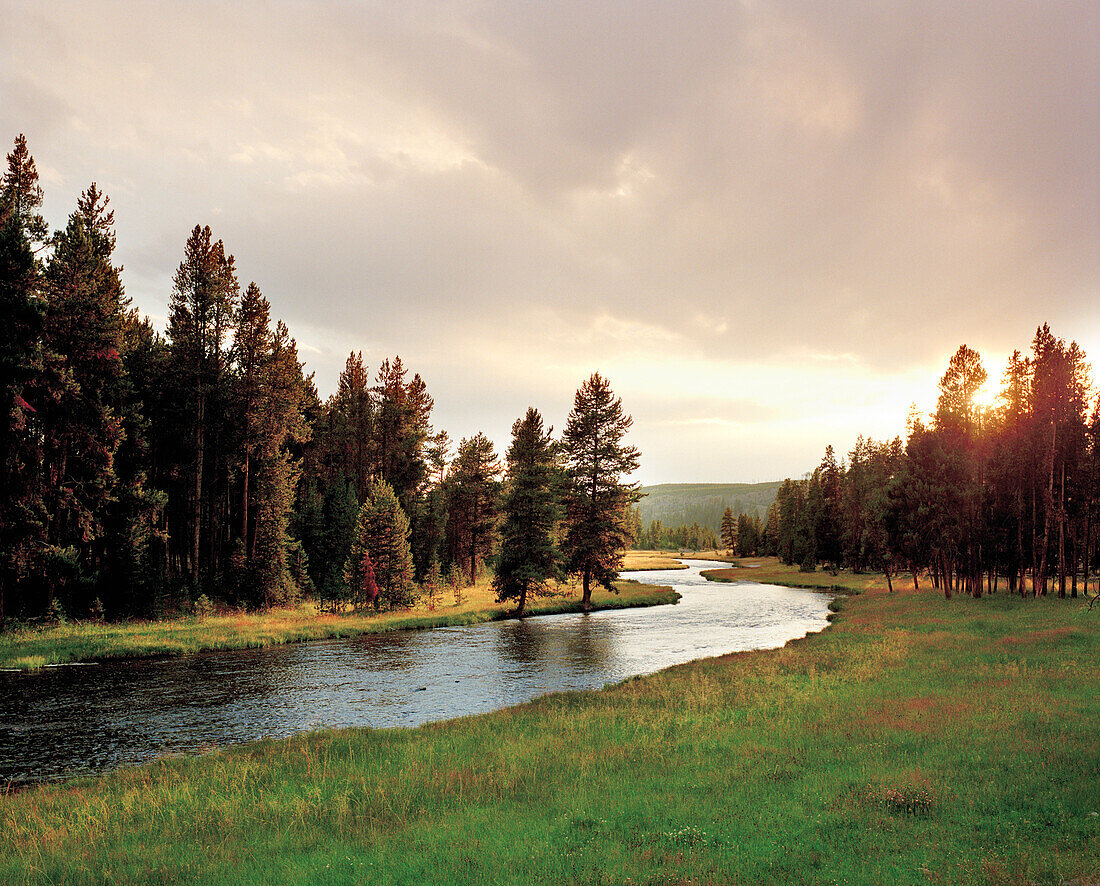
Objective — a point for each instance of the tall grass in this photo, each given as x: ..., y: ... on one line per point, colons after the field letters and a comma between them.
x: 916, y: 741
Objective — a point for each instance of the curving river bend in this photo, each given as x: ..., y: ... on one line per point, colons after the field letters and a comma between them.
x: 75, y: 720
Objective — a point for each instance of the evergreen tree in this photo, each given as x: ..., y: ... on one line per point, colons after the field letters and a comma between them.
x: 382, y: 531
x: 359, y: 574
x: 827, y: 503
x: 530, y: 509
x: 729, y: 530
x: 202, y: 309
x: 22, y: 510
x: 433, y: 583
x: 332, y: 542
x: 82, y: 389
x: 281, y: 422
x: 473, y: 502
x: 746, y: 536
x: 956, y: 424
x: 251, y: 344
x: 351, y: 425
x: 598, y: 500
x: 402, y: 430
x: 21, y: 195
x: 134, y: 564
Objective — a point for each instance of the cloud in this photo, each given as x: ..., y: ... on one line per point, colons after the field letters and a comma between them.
x: 493, y: 188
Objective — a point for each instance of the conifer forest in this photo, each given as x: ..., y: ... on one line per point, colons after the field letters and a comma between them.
x: 144, y: 471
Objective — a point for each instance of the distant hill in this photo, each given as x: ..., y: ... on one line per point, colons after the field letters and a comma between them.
x: 676, y: 504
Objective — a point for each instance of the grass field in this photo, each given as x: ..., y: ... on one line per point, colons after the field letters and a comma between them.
x: 769, y: 570
x: 26, y: 649
x: 637, y: 561
x: 917, y: 741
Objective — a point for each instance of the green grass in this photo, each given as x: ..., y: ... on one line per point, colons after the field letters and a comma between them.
x: 769, y: 570
x: 916, y: 741
x: 29, y: 649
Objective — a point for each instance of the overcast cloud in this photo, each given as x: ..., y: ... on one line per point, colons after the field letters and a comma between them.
x: 770, y: 224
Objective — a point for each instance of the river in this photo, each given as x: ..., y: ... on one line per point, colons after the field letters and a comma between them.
x: 67, y: 721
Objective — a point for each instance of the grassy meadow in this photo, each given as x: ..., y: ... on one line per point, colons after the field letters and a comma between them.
x: 769, y: 570
x: 637, y: 561
x: 917, y: 741
x: 30, y: 648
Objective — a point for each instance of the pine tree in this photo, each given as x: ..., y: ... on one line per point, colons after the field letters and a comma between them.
x: 433, y: 583
x: 827, y: 513
x: 82, y: 427
x: 251, y: 343
x: 202, y: 309
x: 134, y: 569
x: 729, y: 530
x: 332, y: 545
x: 351, y: 424
x: 21, y: 195
x: 957, y: 424
x: 474, y: 490
x: 22, y: 512
x: 402, y: 430
x: 530, y: 509
x: 382, y: 531
x: 283, y: 393
x: 597, y: 500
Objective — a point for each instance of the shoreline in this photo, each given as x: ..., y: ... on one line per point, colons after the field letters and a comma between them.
x: 89, y: 643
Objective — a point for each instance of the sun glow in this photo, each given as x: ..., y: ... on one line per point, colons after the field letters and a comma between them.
x: 986, y: 396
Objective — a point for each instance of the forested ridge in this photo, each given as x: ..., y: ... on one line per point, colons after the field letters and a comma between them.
x: 682, y: 504
x: 147, y: 473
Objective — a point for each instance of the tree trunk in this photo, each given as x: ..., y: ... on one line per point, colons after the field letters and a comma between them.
x: 244, y: 513
x: 1048, y: 506
x: 1088, y: 542
x: 586, y: 598
x: 197, y: 506
x: 1062, y: 536
x: 473, y: 559
x: 1034, y: 540
x: 889, y: 584
x: 1019, y: 542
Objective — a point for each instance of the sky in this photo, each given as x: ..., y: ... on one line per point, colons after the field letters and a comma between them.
x: 768, y: 224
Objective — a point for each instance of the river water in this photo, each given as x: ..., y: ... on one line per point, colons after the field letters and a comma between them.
x: 74, y: 720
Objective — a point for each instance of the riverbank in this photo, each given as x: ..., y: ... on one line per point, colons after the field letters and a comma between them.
x: 640, y: 561
x: 916, y: 741
x: 27, y: 649
x: 770, y: 570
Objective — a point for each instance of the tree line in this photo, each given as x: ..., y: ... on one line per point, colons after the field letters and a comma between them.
x: 143, y: 470
x: 976, y: 495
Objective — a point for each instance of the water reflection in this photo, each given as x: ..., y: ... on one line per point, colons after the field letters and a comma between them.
x: 64, y: 721
x: 522, y: 642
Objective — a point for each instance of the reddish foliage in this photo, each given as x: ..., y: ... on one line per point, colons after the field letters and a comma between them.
x: 369, y: 585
